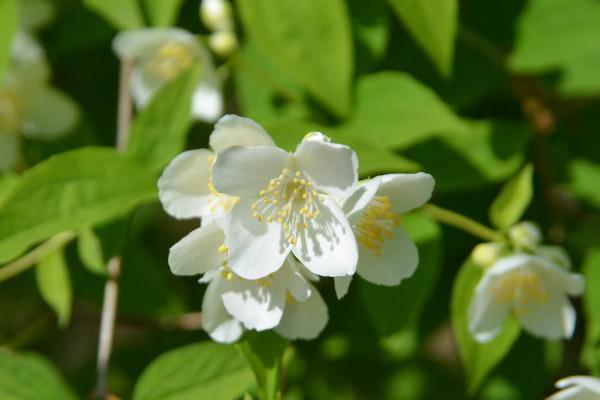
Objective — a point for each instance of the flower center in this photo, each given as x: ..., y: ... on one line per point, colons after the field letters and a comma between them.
x: 170, y: 60
x: 520, y: 288
x: 12, y: 110
x: 376, y: 224
x: 289, y: 200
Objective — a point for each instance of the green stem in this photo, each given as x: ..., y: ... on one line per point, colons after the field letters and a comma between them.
x: 31, y: 258
x: 460, y: 221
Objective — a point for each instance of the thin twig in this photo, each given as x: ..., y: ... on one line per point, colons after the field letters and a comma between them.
x: 30, y: 259
x: 460, y: 221
x: 111, y: 288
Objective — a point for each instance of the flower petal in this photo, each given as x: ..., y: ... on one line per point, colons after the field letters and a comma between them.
x: 486, y: 315
x: 255, y: 249
x: 328, y: 247
x: 560, y: 278
x: 304, y: 320
x: 406, y: 191
x: 258, y: 305
x: 293, y: 281
x: 244, y: 171
x: 198, y: 252
x: 359, y: 199
x: 183, y: 187
x: 342, y: 284
x: 588, y: 382
x: 207, y: 101
x: 137, y: 43
x: 398, y: 260
x: 216, y: 321
x: 232, y: 130
x: 332, y: 167
x: 51, y: 113
x: 554, y: 319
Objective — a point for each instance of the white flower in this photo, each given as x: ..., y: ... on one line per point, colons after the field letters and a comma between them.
x: 216, y: 15
x: 160, y: 55
x: 28, y: 104
x: 223, y: 43
x: 534, y: 288
x: 525, y: 236
x: 185, y: 187
x: 288, y: 204
x: 284, y: 301
x: 386, y: 254
x: 577, y: 388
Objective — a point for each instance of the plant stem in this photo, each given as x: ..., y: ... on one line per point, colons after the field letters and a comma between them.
x: 460, y: 221
x: 111, y: 287
x: 31, y: 258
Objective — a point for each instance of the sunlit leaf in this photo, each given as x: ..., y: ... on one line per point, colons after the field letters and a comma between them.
x: 513, y: 200
x: 433, y: 24
x: 122, y: 14
x: 8, y: 25
x: 90, y: 251
x: 585, y: 180
x: 198, y: 371
x: 54, y: 283
x: 30, y: 377
x: 162, y: 12
x: 478, y: 359
x: 310, y: 40
x: 69, y: 191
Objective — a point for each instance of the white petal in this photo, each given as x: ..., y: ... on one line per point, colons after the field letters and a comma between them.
x: 574, y: 393
x: 256, y: 249
x: 559, y: 278
x: 588, y: 382
x: 51, y: 113
x: 304, y: 320
x: 198, y: 252
x: 328, y: 247
x: 9, y: 150
x: 359, y: 199
x: 398, y: 260
x: 207, y: 101
x: 342, y: 284
x: 293, y: 281
x: 554, y: 319
x: 258, y: 305
x: 244, y: 171
x: 142, y: 42
x: 142, y: 88
x: 486, y: 315
x: 232, y: 130
x: 183, y: 187
x: 406, y: 191
x: 332, y: 167
x: 216, y: 321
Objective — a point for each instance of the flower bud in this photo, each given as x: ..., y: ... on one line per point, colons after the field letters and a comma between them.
x: 525, y: 235
x: 223, y: 43
x: 486, y: 254
x: 216, y: 15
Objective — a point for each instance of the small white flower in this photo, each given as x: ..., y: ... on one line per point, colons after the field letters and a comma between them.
x: 386, y: 254
x: 288, y: 204
x: 216, y: 15
x: 284, y: 301
x: 525, y: 236
x: 223, y: 43
x: 185, y: 187
x: 486, y: 254
x: 28, y: 104
x: 534, y: 288
x: 577, y: 388
x: 160, y: 55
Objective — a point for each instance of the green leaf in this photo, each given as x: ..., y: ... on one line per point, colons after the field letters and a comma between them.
x: 310, y: 39
x: 52, y: 277
x: 162, y: 12
x: 30, y: 377
x: 159, y: 130
x: 560, y: 35
x: 90, y: 251
x: 585, y: 180
x: 591, y: 306
x: 122, y: 14
x: 198, y: 371
x: 511, y: 203
x: 490, y: 152
x: 69, y: 191
x: 395, y: 110
x: 8, y: 180
x: 414, y: 290
x: 264, y: 353
x: 371, y: 30
x: 433, y: 24
x: 478, y: 359
x: 8, y: 13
